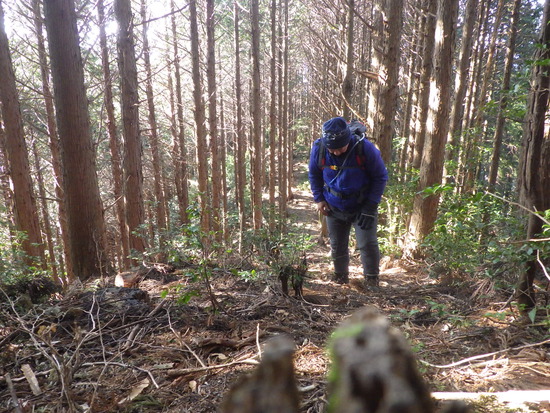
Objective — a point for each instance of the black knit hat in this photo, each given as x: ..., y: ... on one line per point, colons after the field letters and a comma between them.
x: 336, y: 133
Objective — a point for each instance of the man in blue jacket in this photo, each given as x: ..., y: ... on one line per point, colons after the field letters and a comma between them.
x: 348, y: 177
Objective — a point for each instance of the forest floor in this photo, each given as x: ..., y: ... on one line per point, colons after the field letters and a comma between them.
x: 152, y: 353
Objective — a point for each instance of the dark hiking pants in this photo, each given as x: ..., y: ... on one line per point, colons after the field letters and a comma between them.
x: 339, y: 225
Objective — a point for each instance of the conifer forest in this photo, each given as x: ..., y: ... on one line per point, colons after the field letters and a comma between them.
x: 160, y: 246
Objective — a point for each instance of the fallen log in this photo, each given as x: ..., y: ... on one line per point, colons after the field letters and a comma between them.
x: 514, y: 399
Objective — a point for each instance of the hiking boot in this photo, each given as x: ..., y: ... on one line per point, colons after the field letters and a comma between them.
x: 372, y: 282
x: 340, y: 278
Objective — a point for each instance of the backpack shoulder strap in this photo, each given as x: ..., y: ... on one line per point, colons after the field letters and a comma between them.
x: 321, y: 156
x: 360, y: 154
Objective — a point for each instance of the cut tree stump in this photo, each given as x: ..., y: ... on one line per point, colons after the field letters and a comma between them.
x: 374, y: 369
x: 271, y: 388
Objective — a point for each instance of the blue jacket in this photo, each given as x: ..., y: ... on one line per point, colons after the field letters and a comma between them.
x: 353, y: 185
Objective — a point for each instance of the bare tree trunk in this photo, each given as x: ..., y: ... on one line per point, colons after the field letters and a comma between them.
x: 180, y: 150
x: 52, y: 132
x: 431, y: 169
x: 213, y: 121
x: 425, y: 76
x: 5, y: 188
x: 161, y: 214
x: 256, y: 118
x: 461, y: 80
x: 412, y: 94
x: 473, y: 157
x: 473, y: 97
x: 223, y: 165
x: 285, y: 190
x: 239, y: 137
x: 45, y: 215
x: 200, y: 128
x: 133, y: 173
x: 499, y: 129
x: 377, y: 36
x: 114, y: 143
x: 347, y: 82
x: 389, y: 77
x: 273, y: 118
x: 26, y: 213
x: 84, y: 210
x: 534, y: 168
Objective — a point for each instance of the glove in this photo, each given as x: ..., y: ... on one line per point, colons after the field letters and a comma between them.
x: 367, y: 215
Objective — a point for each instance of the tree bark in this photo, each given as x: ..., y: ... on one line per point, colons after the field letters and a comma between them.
x: 53, y: 136
x: 132, y: 163
x: 534, y: 168
x: 215, y: 148
x: 461, y: 79
x: 389, y: 77
x: 425, y: 76
x: 273, y: 118
x: 239, y: 140
x: 472, y: 156
x: 256, y: 115
x: 499, y: 129
x: 160, y: 212
x: 114, y: 144
x: 347, y: 82
x: 431, y: 170
x: 45, y: 215
x: 26, y: 212
x: 180, y: 149
x: 200, y: 118
x: 84, y: 209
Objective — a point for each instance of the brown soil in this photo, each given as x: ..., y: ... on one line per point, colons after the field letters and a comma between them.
x: 186, y: 356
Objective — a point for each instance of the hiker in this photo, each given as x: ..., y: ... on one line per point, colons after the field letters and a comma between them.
x: 347, y: 177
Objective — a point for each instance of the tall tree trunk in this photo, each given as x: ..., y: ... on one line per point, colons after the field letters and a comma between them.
x: 52, y: 132
x: 84, y: 210
x: 45, y: 214
x: 161, y: 214
x: 180, y: 152
x: 285, y: 189
x: 223, y: 163
x: 461, y: 80
x: 412, y: 87
x: 499, y: 129
x: 431, y: 169
x: 213, y: 120
x: 133, y: 173
x: 347, y: 82
x: 273, y: 117
x: 200, y: 118
x: 472, y: 159
x: 472, y: 95
x: 389, y: 76
x: 256, y: 117
x: 239, y: 136
x: 377, y: 36
x: 114, y: 143
x: 5, y: 188
x: 534, y: 168
x: 26, y: 213
x: 425, y: 76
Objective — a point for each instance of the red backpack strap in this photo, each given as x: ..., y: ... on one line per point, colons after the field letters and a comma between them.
x: 321, y: 157
x: 360, y: 155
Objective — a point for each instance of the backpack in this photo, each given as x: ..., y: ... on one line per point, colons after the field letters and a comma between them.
x: 358, y: 129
